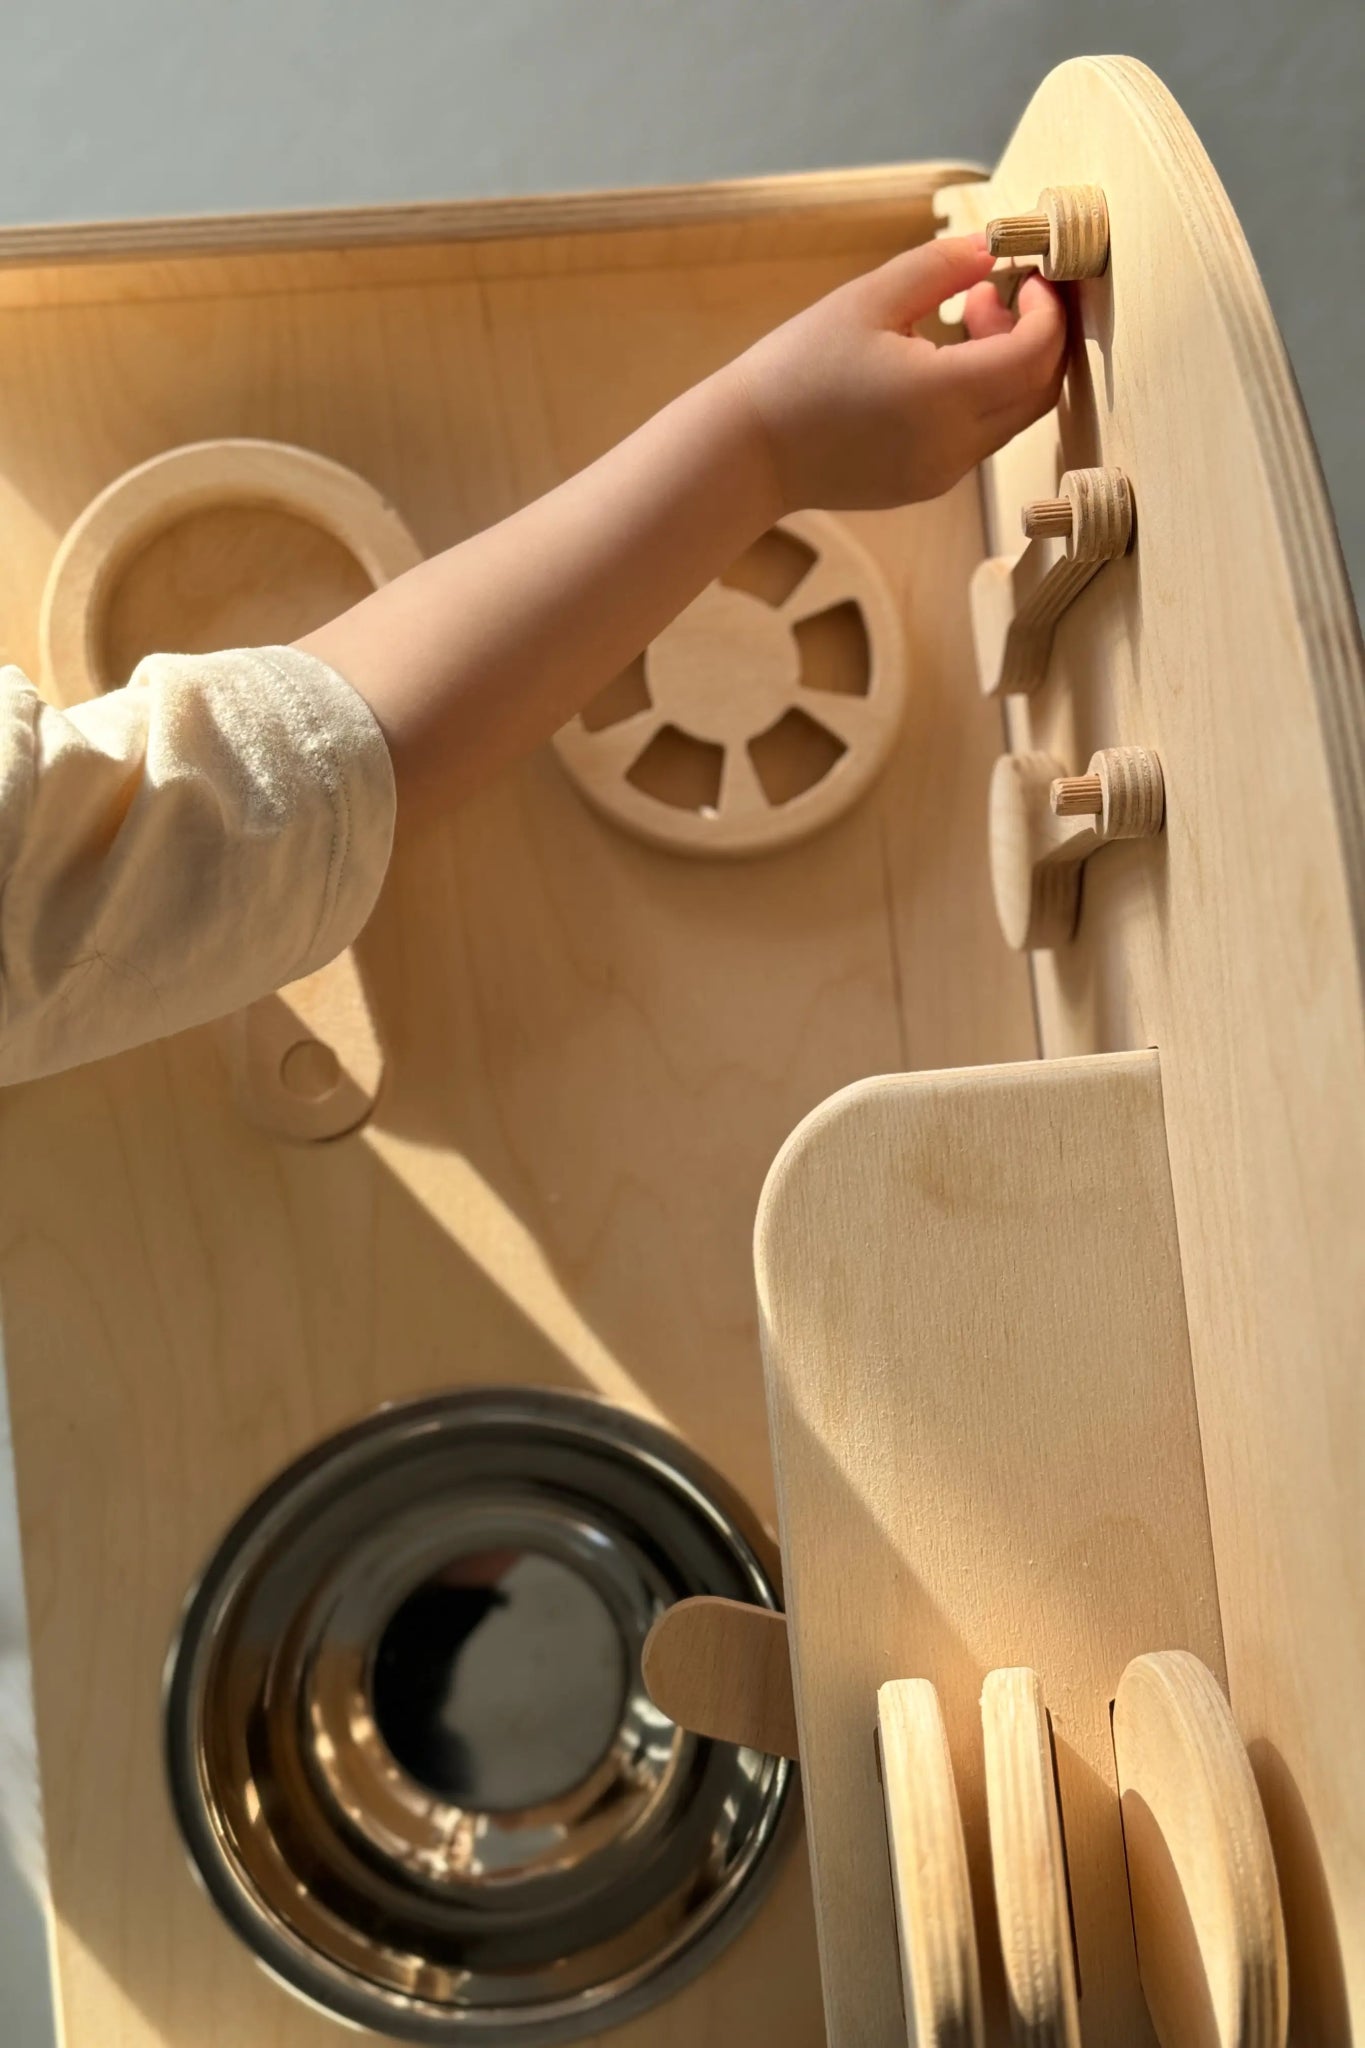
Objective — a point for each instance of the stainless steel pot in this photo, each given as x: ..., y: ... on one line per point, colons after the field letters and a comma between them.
x: 408, y: 1742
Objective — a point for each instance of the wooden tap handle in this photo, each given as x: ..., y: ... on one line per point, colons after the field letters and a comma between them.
x: 1016, y: 604
x: 1045, y: 825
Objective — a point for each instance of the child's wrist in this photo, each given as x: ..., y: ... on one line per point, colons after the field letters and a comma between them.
x: 753, y: 464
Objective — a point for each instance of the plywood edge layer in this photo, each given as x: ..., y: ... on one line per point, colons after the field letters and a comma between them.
x: 101, y: 259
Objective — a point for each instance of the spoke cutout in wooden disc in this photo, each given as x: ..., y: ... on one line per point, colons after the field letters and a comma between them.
x: 763, y: 712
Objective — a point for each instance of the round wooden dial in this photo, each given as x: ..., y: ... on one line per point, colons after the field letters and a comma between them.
x: 763, y: 712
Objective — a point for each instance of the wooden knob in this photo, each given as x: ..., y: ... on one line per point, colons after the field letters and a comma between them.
x: 1068, y: 230
x: 1048, y: 517
x: 1132, y: 792
x: 1020, y: 234
x: 1077, y: 796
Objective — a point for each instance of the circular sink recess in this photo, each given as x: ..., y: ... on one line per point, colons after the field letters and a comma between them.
x: 228, y: 543
x: 408, y: 1741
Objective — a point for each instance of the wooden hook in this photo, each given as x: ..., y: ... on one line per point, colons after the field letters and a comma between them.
x: 307, y: 1063
x: 1016, y: 602
x: 1027, y: 1863
x: 1206, y: 1905
x: 1044, y: 825
x: 722, y: 1669
x: 1068, y: 232
x: 940, y: 1973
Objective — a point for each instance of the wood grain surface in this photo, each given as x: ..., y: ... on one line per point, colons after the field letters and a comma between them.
x: 987, y: 1455
x: 1028, y: 1862
x: 594, y: 1049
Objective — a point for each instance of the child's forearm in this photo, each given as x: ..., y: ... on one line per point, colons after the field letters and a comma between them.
x: 261, y: 781
x: 477, y: 656
x: 482, y: 652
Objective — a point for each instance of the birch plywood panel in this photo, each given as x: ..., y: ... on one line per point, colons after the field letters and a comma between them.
x: 1227, y: 642
x: 987, y: 1455
x: 593, y: 1050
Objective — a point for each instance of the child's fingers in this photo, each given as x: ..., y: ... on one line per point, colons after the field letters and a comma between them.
x: 999, y: 427
x: 1042, y: 304
x: 983, y: 313
x: 1002, y: 367
x: 913, y: 285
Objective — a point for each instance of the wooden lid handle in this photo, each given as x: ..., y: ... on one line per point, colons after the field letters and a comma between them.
x: 722, y: 1669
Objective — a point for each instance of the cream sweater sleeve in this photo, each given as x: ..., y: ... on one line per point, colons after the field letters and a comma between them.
x: 177, y: 848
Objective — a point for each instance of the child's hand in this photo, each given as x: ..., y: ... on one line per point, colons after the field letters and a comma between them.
x: 480, y: 653
x: 856, y: 411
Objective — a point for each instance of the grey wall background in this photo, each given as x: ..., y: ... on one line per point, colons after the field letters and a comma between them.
x: 161, y: 106
x: 184, y: 106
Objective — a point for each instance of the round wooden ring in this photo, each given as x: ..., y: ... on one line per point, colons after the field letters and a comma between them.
x: 1031, y: 1900
x: 725, y: 686
x: 146, y: 501
x: 1201, y: 1873
x: 940, y: 1973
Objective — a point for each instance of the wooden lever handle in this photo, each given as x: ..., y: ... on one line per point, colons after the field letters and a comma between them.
x: 1045, y: 824
x: 1206, y: 1904
x: 722, y: 1669
x: 1016, y: 603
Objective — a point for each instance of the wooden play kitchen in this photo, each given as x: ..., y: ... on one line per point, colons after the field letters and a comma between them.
x: 975, y: 892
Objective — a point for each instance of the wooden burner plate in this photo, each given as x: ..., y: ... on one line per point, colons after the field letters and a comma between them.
x: 763, y: 712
